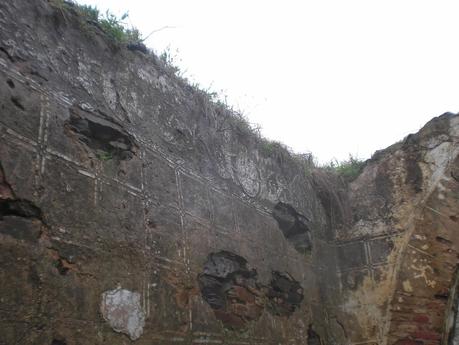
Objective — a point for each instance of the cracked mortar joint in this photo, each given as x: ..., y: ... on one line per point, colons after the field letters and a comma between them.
x: 122, y: 310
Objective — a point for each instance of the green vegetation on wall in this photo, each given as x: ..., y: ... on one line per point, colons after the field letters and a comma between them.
x: 348, y: 169
x: 122, y: 34
x: 115, y: 27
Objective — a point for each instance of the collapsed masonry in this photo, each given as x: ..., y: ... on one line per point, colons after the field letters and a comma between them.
x: 133, y: 209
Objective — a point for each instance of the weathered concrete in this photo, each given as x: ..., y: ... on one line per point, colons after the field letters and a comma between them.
x: 133, y: 208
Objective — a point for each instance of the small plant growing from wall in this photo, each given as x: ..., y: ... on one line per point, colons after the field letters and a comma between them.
x: 115, y: 27
x: 348, y: 169
x: 104, y: 156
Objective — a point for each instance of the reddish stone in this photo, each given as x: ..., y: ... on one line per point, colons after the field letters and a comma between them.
x: 408, y: 342
x: 229, y: 318
x: 421, y: 318
x: 239, y: 309
x: 242, y: 294
x: 253, y: 311
x: 427, y: 335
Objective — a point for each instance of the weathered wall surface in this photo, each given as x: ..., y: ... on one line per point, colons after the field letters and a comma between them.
x: 398, y: 255
x: 133, y: 209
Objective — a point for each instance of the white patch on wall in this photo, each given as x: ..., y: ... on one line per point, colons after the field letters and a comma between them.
x: 248, y: 175
x: 121, y: 309
x: 109, y: 91
x: 439, y: 158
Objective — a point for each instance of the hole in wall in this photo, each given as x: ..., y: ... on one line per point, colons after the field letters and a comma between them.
x: 19, y: 208
x: 105, y: 137
x: 313, y: 337
x: 284, y: 294
x: 17, y: 102
x: 58, y: 342
x: 10, y: 83
x: 442, y: 296
x: 230, y: 287
x: 61, y: 263
x: 61, y: 267
x: 13, y: 209
x: 293, y: 226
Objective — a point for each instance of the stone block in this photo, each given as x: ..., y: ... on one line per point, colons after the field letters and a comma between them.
x: 351, y: 255
x: 195, y: 197
x: 160, y: 181
x: 20, y: 107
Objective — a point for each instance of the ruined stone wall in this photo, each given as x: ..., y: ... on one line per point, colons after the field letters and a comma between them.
x: 404, y: 207
x: 134, y: 209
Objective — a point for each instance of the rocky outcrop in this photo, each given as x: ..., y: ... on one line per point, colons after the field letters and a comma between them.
x: 132, y: 208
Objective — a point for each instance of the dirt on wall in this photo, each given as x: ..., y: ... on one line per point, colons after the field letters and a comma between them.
x: 134, y: 209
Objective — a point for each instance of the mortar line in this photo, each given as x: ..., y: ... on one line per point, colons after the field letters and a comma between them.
x: 43, y: 141
x: 20, y: 137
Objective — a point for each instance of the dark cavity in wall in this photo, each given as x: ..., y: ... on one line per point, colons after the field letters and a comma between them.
x: 313, y: 337
x: 10, y: 205
x: 58, y: 342
x: 294, y: 226
x: 17, y: 102
x: 19, y: 208
x: 284, y: 294
x: 10, y: 83
x: 105, y: 137
x: 230, y: 287
x: 18, y: 216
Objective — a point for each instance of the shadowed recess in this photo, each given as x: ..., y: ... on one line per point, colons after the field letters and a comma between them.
x: 105, y: 137
x: 313, y: 337
x: 230, y: 287
x: 284, y: 294
x: 293, y: 226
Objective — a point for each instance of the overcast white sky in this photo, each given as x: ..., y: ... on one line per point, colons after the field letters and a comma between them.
x: 331, y: 77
